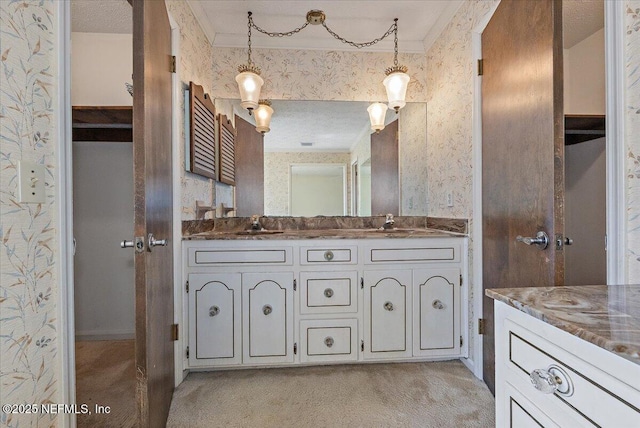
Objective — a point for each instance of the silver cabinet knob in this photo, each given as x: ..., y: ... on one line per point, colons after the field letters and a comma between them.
x: 541, y: 240
x: 437, y: 304
x: 328, y: 293
x: 213, y: 311
x: 328, y: 255
x: 552, y: 380
x: 328, y: 341
x: 388, y: 306
x: 267, y: 309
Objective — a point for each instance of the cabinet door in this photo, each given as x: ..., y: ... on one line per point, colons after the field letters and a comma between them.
x: 436, y: 308
x: 387, y: 313
x: 267, y: 310
x: 214, y: 319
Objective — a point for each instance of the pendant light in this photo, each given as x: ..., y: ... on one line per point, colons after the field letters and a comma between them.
x: 249, y: 80
x: 397, y: 78
x: 263, y: 116
x: 377, y: 114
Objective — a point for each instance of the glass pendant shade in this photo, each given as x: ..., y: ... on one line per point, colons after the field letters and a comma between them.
x: 249, y: 84
x: 377, y: 113
x: 263, y: 116
x: 396, y: 85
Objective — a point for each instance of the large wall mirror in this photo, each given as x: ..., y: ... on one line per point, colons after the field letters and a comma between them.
x: 318, y: 160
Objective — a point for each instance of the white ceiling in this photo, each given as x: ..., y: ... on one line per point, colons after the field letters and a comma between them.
x: 581, y: 18
x: 103, y: 16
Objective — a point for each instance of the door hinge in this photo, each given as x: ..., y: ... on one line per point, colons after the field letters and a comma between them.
x: 187, y: 352
x: 460, y: 280
x: 295, y: 285
x: 295, y: 348
x: 174, y: 331
x: 362, y: 345
x: 187, y: 286
x: 461, y: 341
x: 362, y: 283
x: 481, y: 328
x: 480, y: 67
x: 172, y: 66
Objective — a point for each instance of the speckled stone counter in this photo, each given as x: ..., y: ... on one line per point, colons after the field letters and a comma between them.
x: 607, y: 316
x: 322, y: 228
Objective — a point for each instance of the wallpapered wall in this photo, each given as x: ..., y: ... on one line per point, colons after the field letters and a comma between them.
x: 412, y: 153
x: 632, y: 123
x: 276, y: 176
x: 28, y: 261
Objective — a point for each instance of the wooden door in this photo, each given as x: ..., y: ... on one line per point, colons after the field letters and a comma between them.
x: 153, y: 210
x: 249, y: 169
x: 385, y: 179
x: 522, y: 151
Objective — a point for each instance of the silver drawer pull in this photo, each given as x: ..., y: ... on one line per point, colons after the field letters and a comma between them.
x: 552, y: 380
x: 328, y: 255
x: 267, y: 309
x: 388, y: 306
x: 328, y: 293
x: 213, y: 311
x: 437, y: 304
x: 328, y: 341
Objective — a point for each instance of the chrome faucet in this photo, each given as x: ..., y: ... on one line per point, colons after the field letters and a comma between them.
x: 389, y: 222
x: 255, y: 222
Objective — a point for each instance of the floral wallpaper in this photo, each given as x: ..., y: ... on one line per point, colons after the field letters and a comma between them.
x: 194, y: 65
x: 412, y: 150
x: 632, y: 130
x: 317, y: 75
x: 28, y: 262
x: 276, y: 176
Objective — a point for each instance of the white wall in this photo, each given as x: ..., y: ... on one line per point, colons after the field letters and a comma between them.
x: 102, y: 217
x: 584, y: 78
x: 100, y: 66
x: 313, y: 195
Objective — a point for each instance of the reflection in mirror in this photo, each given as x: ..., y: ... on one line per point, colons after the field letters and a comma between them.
x: 338, y: 133
x: 318, y: 189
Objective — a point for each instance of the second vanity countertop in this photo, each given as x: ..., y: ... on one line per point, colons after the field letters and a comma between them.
x: 322, y: 234
x: 606, y: 315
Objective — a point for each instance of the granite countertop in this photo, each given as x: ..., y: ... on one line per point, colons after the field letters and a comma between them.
x: 322, y: 234
x: 607, y: 316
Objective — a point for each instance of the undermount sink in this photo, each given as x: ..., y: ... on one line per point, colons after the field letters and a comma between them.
x: 258, y: 232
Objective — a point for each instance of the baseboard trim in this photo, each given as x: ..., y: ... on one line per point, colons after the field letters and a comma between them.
x: 470, y: 364
x: 105, y: 335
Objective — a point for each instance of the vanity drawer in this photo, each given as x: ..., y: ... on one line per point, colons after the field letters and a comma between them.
x: 328, y: 292
x: 329, y: 255
x: 240, y: 256
x: 329, y: 340
x: 590, y: 393
x: 406, y: 253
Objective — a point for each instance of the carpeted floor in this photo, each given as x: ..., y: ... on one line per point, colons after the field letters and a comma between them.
x: 106, y: 375
x: 441, y: 394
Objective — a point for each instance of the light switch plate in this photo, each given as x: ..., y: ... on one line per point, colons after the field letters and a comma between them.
x: 31, y: 182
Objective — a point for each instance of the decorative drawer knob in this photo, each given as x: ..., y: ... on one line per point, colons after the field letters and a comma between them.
x: 552, y: 380
x: 328, y: 341
x: 267, y: 309
x: 388, y: 306
x: 437, y: 304
x: 328, y: 255
x: 213, y: 311
x: 328, y: 293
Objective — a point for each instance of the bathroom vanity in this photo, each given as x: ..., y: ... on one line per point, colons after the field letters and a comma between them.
x: 568, y: 356
x: 318, y: 296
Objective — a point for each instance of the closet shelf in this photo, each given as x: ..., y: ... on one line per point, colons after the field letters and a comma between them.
x: 580, y: 128
x: 102, y: 123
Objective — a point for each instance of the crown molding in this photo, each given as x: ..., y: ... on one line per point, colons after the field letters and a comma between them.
x: 443, y: 20
x: 201, y: 16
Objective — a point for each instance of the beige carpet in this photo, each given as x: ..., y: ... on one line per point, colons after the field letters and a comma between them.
x: 105, y: 375
x: 442, y: 394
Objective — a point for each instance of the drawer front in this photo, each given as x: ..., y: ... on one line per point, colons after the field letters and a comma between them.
x: 341, y: 255
x: 328, y: 292
x: 329, y: 340
x: 239, y: 257
x: 593, y: 404
x: 521, y: 413
x: 412, y: 254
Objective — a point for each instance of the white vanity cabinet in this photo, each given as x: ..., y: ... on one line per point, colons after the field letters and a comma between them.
x: 318, y: 301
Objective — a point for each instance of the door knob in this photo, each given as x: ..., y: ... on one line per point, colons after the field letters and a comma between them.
x: 541, y: 240
x: 137, y: 243
x: 153, y: 242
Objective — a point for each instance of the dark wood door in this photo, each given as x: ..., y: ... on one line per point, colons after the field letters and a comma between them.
x: 249, y: 169
x: 522, y: 151
x: 153, y: 210
x: 385, y: 181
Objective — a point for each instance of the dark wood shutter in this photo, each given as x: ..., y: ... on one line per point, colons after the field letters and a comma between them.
x: 227, y: 139
x: 203, y: 135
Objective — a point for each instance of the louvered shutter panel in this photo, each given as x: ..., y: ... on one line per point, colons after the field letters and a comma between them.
x: 203, y: 135
x: 227, y: 139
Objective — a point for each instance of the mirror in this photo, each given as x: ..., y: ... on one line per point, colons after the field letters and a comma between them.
x: 317, y: 158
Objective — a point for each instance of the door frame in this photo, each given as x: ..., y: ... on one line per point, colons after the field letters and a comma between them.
x: 615, y: 153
